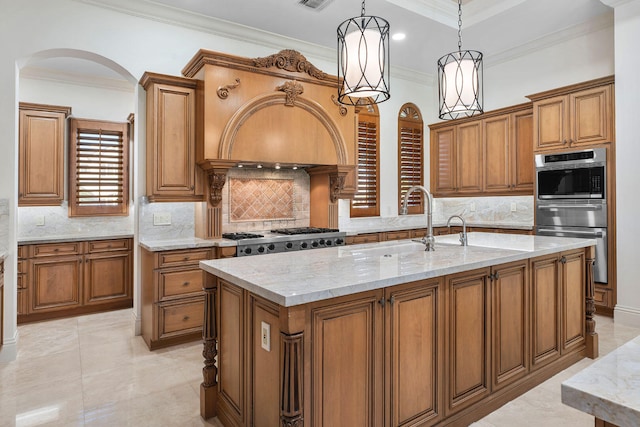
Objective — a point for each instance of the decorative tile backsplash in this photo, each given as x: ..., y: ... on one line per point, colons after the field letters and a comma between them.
x: 253, y: 199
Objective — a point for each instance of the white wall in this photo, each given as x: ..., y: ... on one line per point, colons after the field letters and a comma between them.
x: 627, y: 34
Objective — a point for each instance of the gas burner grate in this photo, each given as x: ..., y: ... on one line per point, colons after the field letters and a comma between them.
x: 304, y: 230
x: 240, y: 236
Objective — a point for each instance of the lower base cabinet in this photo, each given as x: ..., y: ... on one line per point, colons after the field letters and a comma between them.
x: 172, y: 296
x: 71, y: 278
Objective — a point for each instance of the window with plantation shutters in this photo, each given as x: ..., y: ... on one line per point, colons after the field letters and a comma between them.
x: 98, y: 168
x: 366, y: 200
x: 410, y: 156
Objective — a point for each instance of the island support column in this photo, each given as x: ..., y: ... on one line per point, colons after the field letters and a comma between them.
x: 592, y: 335
x: 291, y: 366
x: 209, y: 386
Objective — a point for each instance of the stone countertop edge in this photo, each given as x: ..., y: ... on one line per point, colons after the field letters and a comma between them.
x: 295, y: 278
x: 354, y: 231
x: 184, y: 243
x: 74, y: 238
x: 608, y: 388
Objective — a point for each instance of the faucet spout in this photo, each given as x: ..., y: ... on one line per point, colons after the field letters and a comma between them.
x: 463, y: 235
x: 429, y: 240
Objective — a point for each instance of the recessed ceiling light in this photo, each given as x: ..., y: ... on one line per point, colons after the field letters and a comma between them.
x: 399, y: 36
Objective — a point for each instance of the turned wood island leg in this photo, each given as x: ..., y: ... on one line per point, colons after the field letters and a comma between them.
x: 591, y: 334
x: 209, y: 386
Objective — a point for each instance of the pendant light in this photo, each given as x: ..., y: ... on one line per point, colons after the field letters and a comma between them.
x: 460, y: 80
x: 363, y: 60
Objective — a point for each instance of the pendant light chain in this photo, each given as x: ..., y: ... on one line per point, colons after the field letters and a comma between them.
x: 459, y: 24
x: 362, y: 11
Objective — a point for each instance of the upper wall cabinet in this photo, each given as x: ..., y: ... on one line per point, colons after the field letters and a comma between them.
x: 488, y: 156
x: 172, y: 172
x: 574, y: 116
x: 41, y: 154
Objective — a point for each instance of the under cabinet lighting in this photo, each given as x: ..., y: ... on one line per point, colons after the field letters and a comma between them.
x: 259, y: 166
x: 277, y: 166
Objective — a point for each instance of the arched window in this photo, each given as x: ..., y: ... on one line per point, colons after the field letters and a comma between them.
x: 366, y: 201
x: 410, y: 156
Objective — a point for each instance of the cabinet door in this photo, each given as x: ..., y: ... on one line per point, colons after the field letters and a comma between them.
x: 56, y: 283
x: 413, y: 364
x: 591, y: 116
x: 496, y: 154
x: 573, y: 299
x: 41, y: 158
x: 521, y: 151
x: 347, y: 352
x: 107, y: 277
x: 171, y: 162
x: 510, y: 322
x: 468, y: 345
x: 545, y: 311
x: 469, y: 157
x: 551, y: 117
x: 443, y: 153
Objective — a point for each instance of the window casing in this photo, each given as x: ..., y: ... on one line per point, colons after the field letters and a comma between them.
x: 366, y: 201
x: 410, y: 156
x: 98, y: 168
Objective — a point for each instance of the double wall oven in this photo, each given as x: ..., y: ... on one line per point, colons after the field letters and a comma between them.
x: 571, y: 199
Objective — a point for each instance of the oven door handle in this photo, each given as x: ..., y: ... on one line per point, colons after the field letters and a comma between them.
x: 596, y: 234
x: 588, y: 207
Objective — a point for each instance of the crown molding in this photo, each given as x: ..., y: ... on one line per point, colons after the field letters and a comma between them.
x: 77, y: 79
x: 615, y: 3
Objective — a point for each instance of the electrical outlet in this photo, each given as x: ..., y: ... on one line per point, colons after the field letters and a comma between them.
x: 161, y: 218
x: 266, y: 336
x: 472, y: 207
x: 40, y: 220
x: 513, y: 207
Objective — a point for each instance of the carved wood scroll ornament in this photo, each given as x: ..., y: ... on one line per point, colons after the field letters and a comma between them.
x: 292, y: 89
x: 336, y: 185
x: 223, y: 91
x: 216, y: 182
x: 289, y: 60
x: 342, y: 108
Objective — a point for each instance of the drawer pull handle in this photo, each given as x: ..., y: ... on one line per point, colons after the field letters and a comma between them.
x: 186, y: 258
x: 186, y: 283
x: 56, y: 250
x: 185, y: 318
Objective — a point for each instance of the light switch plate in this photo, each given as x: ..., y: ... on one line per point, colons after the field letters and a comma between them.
x: 472, y: 207
x: 40, y: 220
x: 266, y: 336
x: 161, y: 218
x: 513, y: 207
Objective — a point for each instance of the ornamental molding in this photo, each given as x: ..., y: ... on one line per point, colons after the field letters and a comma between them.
x: 217, y: 180
x: 290, y: 60
x: 292, y: 89
x: 223, y: 91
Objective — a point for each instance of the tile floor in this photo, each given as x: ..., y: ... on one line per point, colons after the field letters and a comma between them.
x: 92, y: 371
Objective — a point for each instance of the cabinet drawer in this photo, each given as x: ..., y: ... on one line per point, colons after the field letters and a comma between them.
x: 108, y: 245
x: 55, y: 249
x: 22, y: 281
x: 180, y: 317
x: 182, y: 258
x: 398, y: 235
x: 22, y: 266
x: 226, y: 252
x: 172, y: 284
x: 366, y: 238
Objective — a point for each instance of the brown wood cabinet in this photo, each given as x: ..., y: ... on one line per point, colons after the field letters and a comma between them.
x: 172, y: 296
x: 65, y: 279
x: 574, y: 116
x: 41, y: 154
x: 489, y: 156
x: 172, y: 172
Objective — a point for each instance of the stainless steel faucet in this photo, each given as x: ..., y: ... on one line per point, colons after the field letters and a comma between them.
x: 429, y: 241
x: 463, y: 235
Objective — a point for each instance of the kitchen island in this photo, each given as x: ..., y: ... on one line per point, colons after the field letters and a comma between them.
x: 386, y: 334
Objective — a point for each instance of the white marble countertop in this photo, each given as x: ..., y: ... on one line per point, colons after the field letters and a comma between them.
x: 293, y: 278
x: 609, y: 388
x: 70, y: 238
x: 185, y: 243
x: 354, y: 231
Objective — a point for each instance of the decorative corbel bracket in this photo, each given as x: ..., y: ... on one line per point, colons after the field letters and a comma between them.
x: 341, y: 108
x: 336, y: 185
x: 223, y: 91
x: 292, y: 89
x: 217, y: 178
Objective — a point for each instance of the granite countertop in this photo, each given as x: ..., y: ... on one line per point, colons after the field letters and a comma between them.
x: 185, y: 243
x: 301, y: 277
x: 609, y: 388
x: 69, y: 238
x: 354, y: 231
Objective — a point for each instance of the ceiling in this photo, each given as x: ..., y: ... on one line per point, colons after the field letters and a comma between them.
x: 498, y: 28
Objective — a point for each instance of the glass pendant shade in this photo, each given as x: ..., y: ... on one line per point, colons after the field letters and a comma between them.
x: 460, y: 84
x: 363, y: 61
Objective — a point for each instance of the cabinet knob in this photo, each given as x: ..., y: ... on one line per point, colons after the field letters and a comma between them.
x: 185, y: 318
x: 186, y: 258
x: 186, y: 283
x: 392, y: 299
x: 564, y: 142
x: 382, y: 301
x: 563, y: 259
